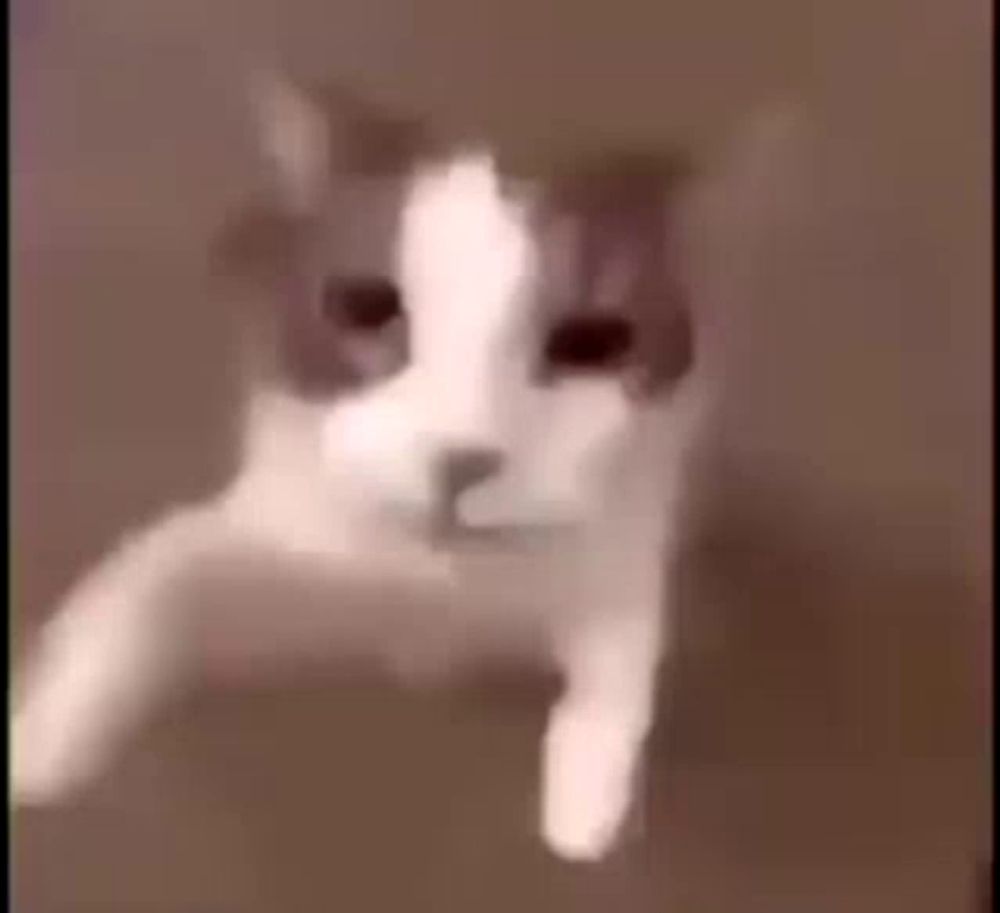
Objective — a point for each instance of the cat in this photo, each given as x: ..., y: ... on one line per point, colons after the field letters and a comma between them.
x: 463, y: 380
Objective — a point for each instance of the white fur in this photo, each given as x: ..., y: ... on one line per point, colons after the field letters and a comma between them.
x: 332, y: 485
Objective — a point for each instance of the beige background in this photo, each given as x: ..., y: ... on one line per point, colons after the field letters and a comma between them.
x: 827, y: 748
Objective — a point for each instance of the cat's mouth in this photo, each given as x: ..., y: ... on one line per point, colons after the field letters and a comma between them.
x: 450, y: 529
x: 512, y: 525
x: 501, y: 537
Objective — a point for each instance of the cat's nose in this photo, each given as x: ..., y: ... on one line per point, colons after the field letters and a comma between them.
x: 460, y: 468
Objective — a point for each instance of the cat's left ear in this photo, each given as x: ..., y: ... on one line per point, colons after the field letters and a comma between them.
x: 293, y: 133
x: 311, y: 136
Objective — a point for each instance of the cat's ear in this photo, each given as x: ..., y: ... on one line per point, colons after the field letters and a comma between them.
x: 308, y: 134
x: 294, y: 136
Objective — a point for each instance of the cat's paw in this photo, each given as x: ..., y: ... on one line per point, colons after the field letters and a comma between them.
x: 45, y: 763
x: 587, y: 793
x: 582, y: 827
x: 62, y: 728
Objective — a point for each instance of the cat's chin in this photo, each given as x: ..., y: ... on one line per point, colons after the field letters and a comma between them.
x: 504, y: 532
x: 477, y: 524
x: 496, y: 538
x: 532, y: 515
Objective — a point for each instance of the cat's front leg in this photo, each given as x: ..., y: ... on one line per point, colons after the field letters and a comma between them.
x: 104, y: 657
x: 597, y: 730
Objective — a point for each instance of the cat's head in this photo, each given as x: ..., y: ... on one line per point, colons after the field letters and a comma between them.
x: 474, y: 345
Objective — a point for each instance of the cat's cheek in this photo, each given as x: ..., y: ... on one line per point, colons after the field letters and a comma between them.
x: 590, y: 426
x: 371, y: 451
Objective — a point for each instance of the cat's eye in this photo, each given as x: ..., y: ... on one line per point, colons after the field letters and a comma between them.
x: 590, y: 343
x: 367, y: 304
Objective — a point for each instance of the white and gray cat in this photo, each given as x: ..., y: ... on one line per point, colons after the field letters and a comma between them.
x: 478, y: 384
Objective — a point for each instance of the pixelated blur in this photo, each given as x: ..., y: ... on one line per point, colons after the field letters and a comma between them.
x: 501, y: 456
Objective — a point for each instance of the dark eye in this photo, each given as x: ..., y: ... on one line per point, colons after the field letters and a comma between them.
x: 366, y: 304
x: 595, y: 343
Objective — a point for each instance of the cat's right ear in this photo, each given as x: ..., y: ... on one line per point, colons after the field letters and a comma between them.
x: 293, y: 135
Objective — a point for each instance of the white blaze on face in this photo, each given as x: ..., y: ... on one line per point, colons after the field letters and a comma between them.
x: 464, y: 258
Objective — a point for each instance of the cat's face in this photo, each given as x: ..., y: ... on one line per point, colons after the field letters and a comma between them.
x: 478, y: 349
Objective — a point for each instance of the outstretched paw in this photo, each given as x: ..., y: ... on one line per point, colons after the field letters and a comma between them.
x: 587, y: 793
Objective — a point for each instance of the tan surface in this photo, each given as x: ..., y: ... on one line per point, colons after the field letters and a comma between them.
x: 827, y: 746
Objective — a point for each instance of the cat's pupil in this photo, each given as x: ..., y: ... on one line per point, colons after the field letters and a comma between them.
x: 598, y: 342
x: 362, y: 303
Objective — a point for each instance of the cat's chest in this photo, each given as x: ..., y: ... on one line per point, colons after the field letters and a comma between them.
x: 417, y: 605
x: 533, y: 567
x: 494, y: 573
x: 482, y: 599
x: 341, y: 584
